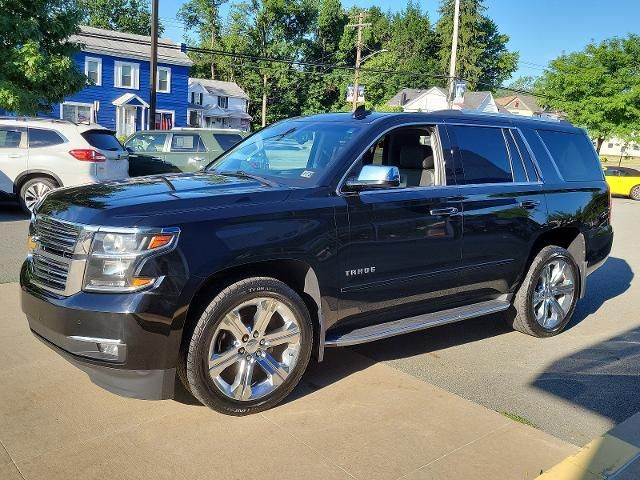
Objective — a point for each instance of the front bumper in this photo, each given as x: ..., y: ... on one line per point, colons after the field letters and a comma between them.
x: 144, y: 328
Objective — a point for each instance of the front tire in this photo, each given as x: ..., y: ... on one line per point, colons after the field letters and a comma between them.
x: 635, y: 193
x: 33, y: 190
x: 249, y: 348
x: 546, y: 299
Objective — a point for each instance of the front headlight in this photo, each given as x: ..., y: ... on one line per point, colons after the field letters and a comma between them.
x: 116, y: 258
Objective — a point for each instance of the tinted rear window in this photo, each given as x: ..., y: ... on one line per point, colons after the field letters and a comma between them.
x: 573, y: 154
x: 226, y: 140
x: 102, y: 140
x: 39, y: 137
x: 484, y: 154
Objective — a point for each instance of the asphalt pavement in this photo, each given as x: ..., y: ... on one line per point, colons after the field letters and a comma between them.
x: 575, y: 386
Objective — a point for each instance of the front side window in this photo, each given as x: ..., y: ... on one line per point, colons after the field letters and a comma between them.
x: 147, y: 142
x: 76, y: 113
x: 40, y: 137
x: 93, y: 70
x: 223, y: 102
x: 126, y: 75
x: 12, y: 137
x: 292, y: 152
x: 483, y: 153
x: 164, y: 80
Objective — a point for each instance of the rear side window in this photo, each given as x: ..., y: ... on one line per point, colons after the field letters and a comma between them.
x: 187, y: 143
x: 226, y: 141
x: 102, y: 140
x: 573, y: 154
x: 11, y: 137
x: 484, y: 154
x: 40, y: 137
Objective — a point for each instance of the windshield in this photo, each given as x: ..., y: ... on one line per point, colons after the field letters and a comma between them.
x: 291, y: 153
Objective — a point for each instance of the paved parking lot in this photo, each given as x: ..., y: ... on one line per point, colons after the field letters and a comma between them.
x: 575, y: 386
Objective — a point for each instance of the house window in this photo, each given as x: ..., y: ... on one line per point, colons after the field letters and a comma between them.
x: 164, y: 80
x: 223, y: 102
x: 196, y: 98
x: 609, y: 145
x: 76, y: 112
x: 93, y: 70
x: 164, y: 120
x: 127, y: 75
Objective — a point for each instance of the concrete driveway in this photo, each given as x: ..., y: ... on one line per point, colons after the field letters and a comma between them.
x: 350, y: 418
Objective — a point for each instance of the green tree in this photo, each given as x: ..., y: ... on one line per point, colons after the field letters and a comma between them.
x: 132, y: 16
x: 598, y: 88
x: 483, y: 58
x: 203, y: 16
x: 524, y: 83
x: 36, y: 54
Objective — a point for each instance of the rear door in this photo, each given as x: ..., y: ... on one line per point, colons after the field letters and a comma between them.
x: 186, y: 153
x: 13, y: 155
x: 503, y: 205
x: 116, y: 165
x: 146, y: 153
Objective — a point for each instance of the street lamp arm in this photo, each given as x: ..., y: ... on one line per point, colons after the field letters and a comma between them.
x: 372, y: 54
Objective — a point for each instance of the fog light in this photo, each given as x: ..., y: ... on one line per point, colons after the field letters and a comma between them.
x: 109, y: 349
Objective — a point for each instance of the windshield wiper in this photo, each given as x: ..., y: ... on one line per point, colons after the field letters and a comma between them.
x: 243, y: 174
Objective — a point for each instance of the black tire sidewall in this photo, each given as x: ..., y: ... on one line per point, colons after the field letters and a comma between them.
x: 30, y: 182
x: 201, y: 384
x: 547, y: 255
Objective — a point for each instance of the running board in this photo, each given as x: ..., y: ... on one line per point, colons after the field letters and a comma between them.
x: 413, y: 324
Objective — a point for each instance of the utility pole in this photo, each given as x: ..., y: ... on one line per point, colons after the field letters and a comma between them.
x: 454, y: 53
x: 153, y: 65
x: 356, y: 74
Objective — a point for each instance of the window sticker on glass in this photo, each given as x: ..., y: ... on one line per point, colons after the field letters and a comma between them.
x: 307, y: 174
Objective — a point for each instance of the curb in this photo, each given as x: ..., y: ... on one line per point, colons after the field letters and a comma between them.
x: 604, y: 458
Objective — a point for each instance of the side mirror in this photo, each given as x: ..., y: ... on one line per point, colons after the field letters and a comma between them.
x: 375, y: 176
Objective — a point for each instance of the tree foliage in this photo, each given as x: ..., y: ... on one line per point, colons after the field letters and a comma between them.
x: 483, y: 59
x: 36, y: 55
x: 132, y: 16
x: 598, y: 88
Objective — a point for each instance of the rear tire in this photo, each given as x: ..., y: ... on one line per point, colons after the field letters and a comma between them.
x: 33, y: 190
x: 635, y: 193
x: 249, y: 348
x: 546, y: 299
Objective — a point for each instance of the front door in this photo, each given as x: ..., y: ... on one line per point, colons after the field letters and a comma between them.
x: 404, y: 247
x: 13, y: 155
x: 129, y: 120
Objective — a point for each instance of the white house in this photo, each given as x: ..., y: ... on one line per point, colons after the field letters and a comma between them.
x: 217, y: 104
x: 435, y: 98
x: 616, y: 148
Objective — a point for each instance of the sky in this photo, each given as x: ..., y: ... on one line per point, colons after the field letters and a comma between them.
x: 540, y: 30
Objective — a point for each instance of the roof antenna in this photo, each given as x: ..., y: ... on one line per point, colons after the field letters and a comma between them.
x: 360, y: 112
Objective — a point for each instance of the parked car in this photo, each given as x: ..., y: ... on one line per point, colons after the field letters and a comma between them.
x: 179, y: 150
x: 623, y: 181
x: 38, y: 155
x: 367, y: 226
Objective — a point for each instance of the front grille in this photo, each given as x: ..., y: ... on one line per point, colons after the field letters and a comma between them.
x: 56, y: 241
x: 56, y: 237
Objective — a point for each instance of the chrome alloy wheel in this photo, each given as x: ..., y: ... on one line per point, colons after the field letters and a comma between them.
x: 34, y: 193
x: 254, y: 348
x: 553, y: 295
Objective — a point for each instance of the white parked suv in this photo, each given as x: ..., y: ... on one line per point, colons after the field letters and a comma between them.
x: 38, y: 155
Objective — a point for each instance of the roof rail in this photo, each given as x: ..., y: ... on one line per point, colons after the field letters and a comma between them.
x: 26, y: 118
x: 502, y: 115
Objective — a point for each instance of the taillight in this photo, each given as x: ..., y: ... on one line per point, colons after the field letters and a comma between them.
x: 610, y: 204
x: 87, y: 155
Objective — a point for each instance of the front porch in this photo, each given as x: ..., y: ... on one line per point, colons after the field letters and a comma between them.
x: 131, y: 114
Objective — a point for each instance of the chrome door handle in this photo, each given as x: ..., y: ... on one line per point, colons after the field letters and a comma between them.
x: 529, y: 204
x: 14, y: 155
x: 196, y: 159
x: 443, y: 212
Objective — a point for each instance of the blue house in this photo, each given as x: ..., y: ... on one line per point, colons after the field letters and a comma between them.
x: 117, y: 92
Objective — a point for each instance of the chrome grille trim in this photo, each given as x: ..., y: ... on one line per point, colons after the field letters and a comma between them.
x: 51, y: 261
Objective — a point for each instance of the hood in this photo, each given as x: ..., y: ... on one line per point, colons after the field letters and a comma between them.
x: 136, y: 201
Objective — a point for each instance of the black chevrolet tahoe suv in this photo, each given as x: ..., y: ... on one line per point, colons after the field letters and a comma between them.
x: 316, y: 232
